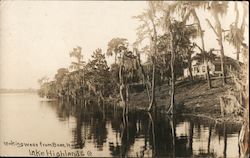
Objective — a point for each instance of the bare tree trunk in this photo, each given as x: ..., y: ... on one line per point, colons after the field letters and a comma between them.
x: 172, y: 84
x: 154, y: 40
x: 123, y: 102
x: 190, y: 70
x: 219, y: 33
x: 171, y: 109
x: 148, y: 93
x: 152, y: 102
x: 122, y: 87
x: 203, y: 48
x: 208, y: 76
x: 222, y: 62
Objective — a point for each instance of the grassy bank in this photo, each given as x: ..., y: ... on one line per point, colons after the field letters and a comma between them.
x: 192, y: 98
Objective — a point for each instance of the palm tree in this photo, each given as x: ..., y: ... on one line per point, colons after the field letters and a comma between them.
x: 236, y: 33
x: 209, y: 56
x: 219, y: 8
x: 112, y: 49
x: 188, y: 9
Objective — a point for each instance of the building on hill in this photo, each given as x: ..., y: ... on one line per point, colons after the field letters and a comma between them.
x: 199, y: 67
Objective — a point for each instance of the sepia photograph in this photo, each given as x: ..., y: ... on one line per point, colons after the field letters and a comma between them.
x: 124, y: 78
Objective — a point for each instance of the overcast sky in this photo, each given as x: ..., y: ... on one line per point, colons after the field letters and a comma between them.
x: 36, y: 37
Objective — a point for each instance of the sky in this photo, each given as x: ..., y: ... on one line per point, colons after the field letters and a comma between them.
x: 37, y: 36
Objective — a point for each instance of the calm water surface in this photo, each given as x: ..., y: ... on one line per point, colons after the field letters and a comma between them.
x: 104, y: 132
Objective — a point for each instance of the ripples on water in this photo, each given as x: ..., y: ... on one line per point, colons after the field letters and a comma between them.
x: 105, y: 132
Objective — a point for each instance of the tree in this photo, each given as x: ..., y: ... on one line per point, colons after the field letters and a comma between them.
x: 118, y: 46
x: 43, y: 82
x: 235, y: 35
x: 219, y: 8
x: 48, y: 90
x: 244, y: 133
x: 187, y: 10
x: 209, y: 56
x: 112, y: 49
x: 61, y: 73
x: 77, y: 54
x: 164, y: 55
x: 148, y: 29
x: 141, y: 71
x: 179, y: 36
x: 78, y: 75
x: 97, y: 74
x: 236, y: 38
x: 188, y: 57
x: 66, y: 87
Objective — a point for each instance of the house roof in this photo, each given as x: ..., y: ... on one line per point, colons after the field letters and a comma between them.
x: 227, y: 61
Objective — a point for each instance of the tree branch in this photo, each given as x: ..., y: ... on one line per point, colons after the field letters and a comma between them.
x: 198, y: 47
x: 209, y: 23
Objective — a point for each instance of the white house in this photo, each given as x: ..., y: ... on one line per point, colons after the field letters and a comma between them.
x: 199, y: 68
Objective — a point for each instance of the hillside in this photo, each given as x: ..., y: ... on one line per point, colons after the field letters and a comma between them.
x: 191, y: 97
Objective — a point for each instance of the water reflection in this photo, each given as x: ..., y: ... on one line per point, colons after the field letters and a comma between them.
x: 142, y: 134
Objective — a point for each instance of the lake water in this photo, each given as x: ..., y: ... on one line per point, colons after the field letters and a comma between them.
x: 31, y: 127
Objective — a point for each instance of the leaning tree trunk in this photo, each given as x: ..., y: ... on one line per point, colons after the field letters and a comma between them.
x: 219, y: 33
x: 203, y: 49
x: 152, y: 102
x: 154, y: 38
x: 222, y: 60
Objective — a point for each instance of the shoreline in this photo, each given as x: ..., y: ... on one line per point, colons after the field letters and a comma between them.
x: 192, y: 98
